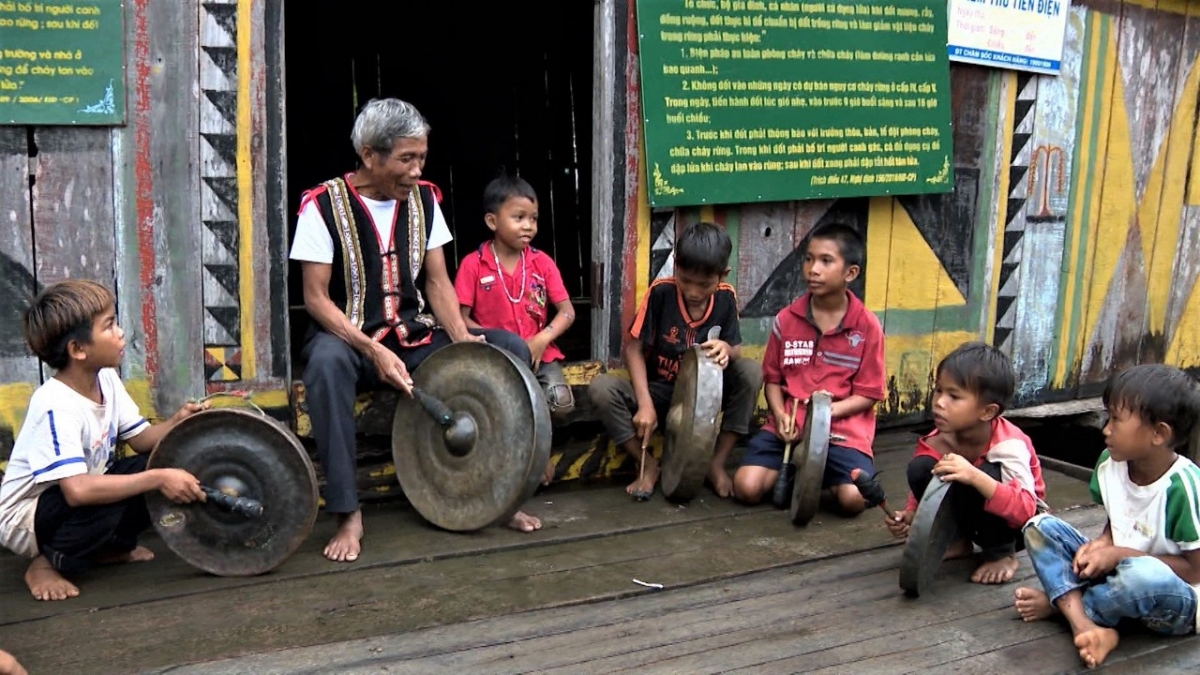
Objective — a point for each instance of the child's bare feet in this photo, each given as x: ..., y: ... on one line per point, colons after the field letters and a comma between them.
x: 138, y: 554
x: 523, y: 522
x: 1095, y: 644
x: 548, y: 473
x: 643, y: 487
x: 45, y: 583
x: 346, y: 543
x: 996, y: 571
x: 1033, y: 605
x: 959, y: 548
x: 722, y: 484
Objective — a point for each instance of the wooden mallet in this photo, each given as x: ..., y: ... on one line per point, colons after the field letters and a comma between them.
x: 781, y: 495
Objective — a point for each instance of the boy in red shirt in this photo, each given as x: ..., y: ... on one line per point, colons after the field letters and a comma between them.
x: 510, y: 285
x: 694, y: 307
x: 997, y: 473
x: 824, y: 341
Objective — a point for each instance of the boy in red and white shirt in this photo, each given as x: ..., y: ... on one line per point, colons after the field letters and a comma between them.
x: 507, y: 284
x: 997, y: 474
x: 824, y: 341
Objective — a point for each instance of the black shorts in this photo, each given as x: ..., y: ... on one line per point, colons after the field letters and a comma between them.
x: 765, y: 449
x: 71, y: 536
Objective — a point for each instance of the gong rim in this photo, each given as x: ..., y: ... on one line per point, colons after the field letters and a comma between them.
x: 932, y: 531
x: 695, y: 404
x: 809, y: 455
x: 470, y: 492
x: 221, y: 445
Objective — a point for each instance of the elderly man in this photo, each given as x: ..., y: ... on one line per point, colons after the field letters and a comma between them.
x: 368, y: 243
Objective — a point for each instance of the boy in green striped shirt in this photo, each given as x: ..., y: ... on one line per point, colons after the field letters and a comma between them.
x: 1145, y: 565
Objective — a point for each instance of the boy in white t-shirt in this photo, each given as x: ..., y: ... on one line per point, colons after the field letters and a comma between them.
x: 66, y: 500
x: 1145, y: 566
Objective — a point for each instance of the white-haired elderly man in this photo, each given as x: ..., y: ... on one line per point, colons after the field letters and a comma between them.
x: 375, y: 282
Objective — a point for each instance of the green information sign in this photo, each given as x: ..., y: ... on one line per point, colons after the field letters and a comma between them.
x: 747, y: 100
x: 62, y: 63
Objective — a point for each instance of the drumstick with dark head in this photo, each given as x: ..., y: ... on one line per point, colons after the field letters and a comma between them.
x: 870, y: 489
x: 781, y: 495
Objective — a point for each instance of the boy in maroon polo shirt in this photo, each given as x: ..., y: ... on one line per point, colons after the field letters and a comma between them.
x: 508, y: 284
x: 824, y: 341
x: 694, y: 307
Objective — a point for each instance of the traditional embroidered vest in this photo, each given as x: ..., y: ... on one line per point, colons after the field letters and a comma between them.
x: 377, y: 283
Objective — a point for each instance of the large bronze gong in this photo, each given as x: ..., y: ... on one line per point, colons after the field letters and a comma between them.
x: 809, y: 456
x: 692, y: 427
x: 260, y: 485
x: 933, y: 530
x: 470, y: 446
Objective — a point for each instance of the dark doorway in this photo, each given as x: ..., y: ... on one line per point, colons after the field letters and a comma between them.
x: 504, y: 85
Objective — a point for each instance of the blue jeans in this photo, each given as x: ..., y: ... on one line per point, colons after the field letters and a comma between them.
x: 1141, y: 588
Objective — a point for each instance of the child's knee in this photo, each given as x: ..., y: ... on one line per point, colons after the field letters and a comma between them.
x: 602, y: 390
x: 749, y: 484
x: 849, y: 499
x: 919, y: 472
x: 746, y: 375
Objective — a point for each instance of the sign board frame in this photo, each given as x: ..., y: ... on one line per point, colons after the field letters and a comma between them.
x: 763, y: 100
x: 1026, y: 35
x: 62, y: 64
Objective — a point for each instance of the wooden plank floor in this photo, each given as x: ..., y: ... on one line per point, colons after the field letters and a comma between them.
x: 156, y: 616
x: 838, y: 615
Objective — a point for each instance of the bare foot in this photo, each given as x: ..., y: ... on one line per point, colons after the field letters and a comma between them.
x: 996, y: 571
x: 346, y: 542
x: 959, y: 548
x: 523, y: 522
x: 722, y: 484
x: 45, y: 583
x: 1094, y: 645
x: 1033, y: 605
x: 548, y: 473
x: 138, y: 554
x: 643, y: 487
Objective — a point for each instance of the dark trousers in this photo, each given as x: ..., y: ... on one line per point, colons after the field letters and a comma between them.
x: 71, y: 536
x: 988, y: 530
x: 334, y: 375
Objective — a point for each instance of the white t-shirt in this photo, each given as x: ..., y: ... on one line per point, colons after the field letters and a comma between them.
x: 313, y: 242
x: 1162, y: 518
x: 64, y: 434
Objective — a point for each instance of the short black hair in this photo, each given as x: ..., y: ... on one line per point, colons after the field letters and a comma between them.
x: 503, y: 188
x: 1157, y: 393
x: 982, y: 370
x: 850, y: 243
x: 703, y: 248
x: 64, y: 312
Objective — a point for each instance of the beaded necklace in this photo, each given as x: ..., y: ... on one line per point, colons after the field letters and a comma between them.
x: 503, y: 283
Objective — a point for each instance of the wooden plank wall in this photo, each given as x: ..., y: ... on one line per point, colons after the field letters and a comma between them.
x: 139, y: 209
x: 1070, y: 240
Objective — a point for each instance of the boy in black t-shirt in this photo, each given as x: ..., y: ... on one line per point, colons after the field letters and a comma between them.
x: 677, y: 313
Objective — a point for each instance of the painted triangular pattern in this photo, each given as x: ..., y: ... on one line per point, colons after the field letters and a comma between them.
x: 1010, y: 279
x: 226, y: 276
x: 225, y: 103
x: 229, y: 319
x: 225, y: 16
x: 226, y: 232
x: 1008, y: 315
x: 225, y: 59
x: 225, y: 189
x: 1000, y: 338
x: 1012, y: 246
x: 225, y: 145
